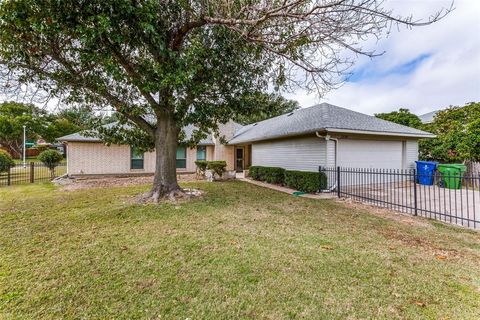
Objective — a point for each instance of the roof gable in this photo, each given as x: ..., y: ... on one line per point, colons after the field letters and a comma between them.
x: 428, y: 117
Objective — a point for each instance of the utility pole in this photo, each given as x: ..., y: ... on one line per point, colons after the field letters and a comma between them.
x: 24, y: 146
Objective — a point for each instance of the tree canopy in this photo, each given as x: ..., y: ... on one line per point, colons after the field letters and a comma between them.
x: 13, y: 116
x: 84, y: 117
x: 457, y: 131
x: 39, y: 123
x: 265, y: 106
x: 458, y: 135
x: 402, y: 116
x: 166, y: 64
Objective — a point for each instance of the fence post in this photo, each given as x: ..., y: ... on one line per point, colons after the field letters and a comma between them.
x: 338, y: 182
x: 9, y: 176
x: 320, y: 178
x: 415, y: 191
x: 32, y: 172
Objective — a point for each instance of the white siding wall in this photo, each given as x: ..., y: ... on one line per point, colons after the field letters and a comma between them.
x: 331, y: 146
x: 411, y: 153
x: 304, y: 154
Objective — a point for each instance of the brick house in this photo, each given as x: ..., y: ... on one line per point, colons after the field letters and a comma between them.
x: 322, y: 135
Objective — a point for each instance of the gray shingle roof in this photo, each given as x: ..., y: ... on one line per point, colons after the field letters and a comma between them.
x: 78, y: 137
x: 82, y: 137
x: 322, y: 117
x: 428, y: 117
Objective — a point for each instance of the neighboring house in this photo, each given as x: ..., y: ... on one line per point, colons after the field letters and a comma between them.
x: 428, y: 117
x: 322, y: 135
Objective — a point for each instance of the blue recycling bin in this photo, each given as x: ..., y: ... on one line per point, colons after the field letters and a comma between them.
x: 425, y: 171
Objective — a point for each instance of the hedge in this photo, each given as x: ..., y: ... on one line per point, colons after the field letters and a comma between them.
x: 6, y: 161
x: 299, y: 180
x: 201, y: 166
x: 253, y: 172
x: 305, y: 181
x: 218, y: 167
x: 268, y: 174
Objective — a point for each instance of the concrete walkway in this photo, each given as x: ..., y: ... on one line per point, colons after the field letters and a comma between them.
x: 285, y: 189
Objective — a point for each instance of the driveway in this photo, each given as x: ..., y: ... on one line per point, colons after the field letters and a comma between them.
x: 460, y: 207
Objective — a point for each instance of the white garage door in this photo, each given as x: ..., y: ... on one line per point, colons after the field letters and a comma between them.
x: 370, y: 154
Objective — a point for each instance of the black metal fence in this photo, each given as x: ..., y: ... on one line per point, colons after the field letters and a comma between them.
x: 30, y: 173
x: 450, y: 198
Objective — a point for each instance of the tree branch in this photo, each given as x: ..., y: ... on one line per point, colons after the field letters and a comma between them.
x: 79, y: 82
x: 179, y: 36
x: 135, y: 78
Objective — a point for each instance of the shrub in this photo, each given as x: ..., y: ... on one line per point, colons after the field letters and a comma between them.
x: 6, y: 161
x: 273, y: 175
x: 41, y: 148
x: 268, y: 174
x: 51, y: 159
x: 218, y: 167
x: 253, y: 172
x: 305, y: 181
x: 201, y: 166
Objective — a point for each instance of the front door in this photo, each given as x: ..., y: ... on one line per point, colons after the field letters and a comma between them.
x: 239, y: 159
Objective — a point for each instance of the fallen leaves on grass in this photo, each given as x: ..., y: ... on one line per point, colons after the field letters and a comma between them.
x: 421, y: 304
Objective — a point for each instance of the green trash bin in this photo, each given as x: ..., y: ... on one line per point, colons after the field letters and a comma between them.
x: 452, y: 175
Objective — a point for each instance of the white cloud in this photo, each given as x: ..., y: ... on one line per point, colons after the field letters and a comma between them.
x: 450, y: 76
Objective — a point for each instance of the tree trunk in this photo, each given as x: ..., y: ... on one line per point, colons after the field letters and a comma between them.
x: 165, y: 179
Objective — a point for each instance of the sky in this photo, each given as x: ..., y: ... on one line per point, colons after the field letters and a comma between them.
x: 423, y: 69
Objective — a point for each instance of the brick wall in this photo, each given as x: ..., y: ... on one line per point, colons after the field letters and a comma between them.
x: 97, y: 158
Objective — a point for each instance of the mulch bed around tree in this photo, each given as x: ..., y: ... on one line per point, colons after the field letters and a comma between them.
x: 105, y: 182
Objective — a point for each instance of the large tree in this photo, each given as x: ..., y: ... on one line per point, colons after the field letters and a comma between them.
x: 57, y: 127
x: 83, y: 116
x: 403, y: 116
x: 39, y: 123
x: 264, y: 106
x: 458, y: 135
x: 13, y: 116
x: 163, y: 64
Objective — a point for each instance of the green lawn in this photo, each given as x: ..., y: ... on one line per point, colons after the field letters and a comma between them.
x: 240, y: 252
x: 32, y: 159
x: 28, y: 160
